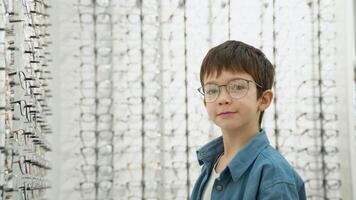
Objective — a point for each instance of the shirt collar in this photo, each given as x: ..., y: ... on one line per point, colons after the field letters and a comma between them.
x: 209, y: 152
x: 241, y: 161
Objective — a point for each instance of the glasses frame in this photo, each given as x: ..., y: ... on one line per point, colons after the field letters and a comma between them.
x: 201, y: 89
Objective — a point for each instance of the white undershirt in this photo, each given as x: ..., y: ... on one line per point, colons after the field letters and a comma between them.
x: 210, y: 183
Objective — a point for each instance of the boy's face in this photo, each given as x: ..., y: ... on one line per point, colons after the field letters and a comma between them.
x: 236, y: 114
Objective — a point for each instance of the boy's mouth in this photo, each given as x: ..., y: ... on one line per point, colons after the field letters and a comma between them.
x: 226, y: 113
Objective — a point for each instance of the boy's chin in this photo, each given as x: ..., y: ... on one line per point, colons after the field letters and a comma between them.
x: 228, y: 126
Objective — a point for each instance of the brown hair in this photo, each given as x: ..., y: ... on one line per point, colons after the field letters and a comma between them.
x: 236, y: 56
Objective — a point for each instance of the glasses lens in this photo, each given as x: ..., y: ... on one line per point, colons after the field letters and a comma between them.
x: 103, y: 18
x: 103, y: 3
x: 237, y: 88
x: 85, y: 2
x: 211, y: 92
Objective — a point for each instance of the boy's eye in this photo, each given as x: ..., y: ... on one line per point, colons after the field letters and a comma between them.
x: 237, y: 87
x: 211, y: 91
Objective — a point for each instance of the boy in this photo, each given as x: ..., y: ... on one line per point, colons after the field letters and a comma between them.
x: 236, y: 81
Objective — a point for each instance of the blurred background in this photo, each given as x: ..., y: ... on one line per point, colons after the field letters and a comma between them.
x: 98, y: 98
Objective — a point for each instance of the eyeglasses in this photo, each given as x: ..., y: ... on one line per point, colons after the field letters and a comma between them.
x: 316, y: 166
x: 23, y: 96
x: 237, y: 89
x: 314, y: 100
x: 89, y: 137
x: 318, y: 150
x: 89, y: 18
x: 307, y: 118
x: 105, y: 172
x: 322, y: 197
x: 317, y: 183
x: 88, y: 189
x: 90, y: 3
x: 327, y: 133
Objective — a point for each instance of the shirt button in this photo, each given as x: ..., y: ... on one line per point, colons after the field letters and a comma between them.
x: 219, y: 187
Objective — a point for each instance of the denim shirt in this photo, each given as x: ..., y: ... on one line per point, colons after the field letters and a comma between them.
x: 257, y: 171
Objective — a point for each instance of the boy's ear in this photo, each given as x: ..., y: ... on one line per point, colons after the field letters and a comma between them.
x: 265, y: 99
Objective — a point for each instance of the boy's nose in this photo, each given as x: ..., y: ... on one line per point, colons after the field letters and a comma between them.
x: 224, y: 97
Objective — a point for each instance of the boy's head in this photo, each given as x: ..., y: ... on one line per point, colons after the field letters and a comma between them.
x: 235, y: 59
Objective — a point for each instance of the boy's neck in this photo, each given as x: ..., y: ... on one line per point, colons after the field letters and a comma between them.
x: 235, y: 140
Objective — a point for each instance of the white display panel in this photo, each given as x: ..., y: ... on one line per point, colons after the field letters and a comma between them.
x: 153, y: 51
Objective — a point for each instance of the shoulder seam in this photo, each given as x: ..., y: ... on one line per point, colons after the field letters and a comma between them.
x: 281, y: 181
x: 275, y: 183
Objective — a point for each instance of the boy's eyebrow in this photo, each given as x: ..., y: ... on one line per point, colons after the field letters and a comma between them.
x: 228, y: 80
x: 209, y: 82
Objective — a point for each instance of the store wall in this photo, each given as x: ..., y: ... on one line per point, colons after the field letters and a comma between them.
x: 127, y: 118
